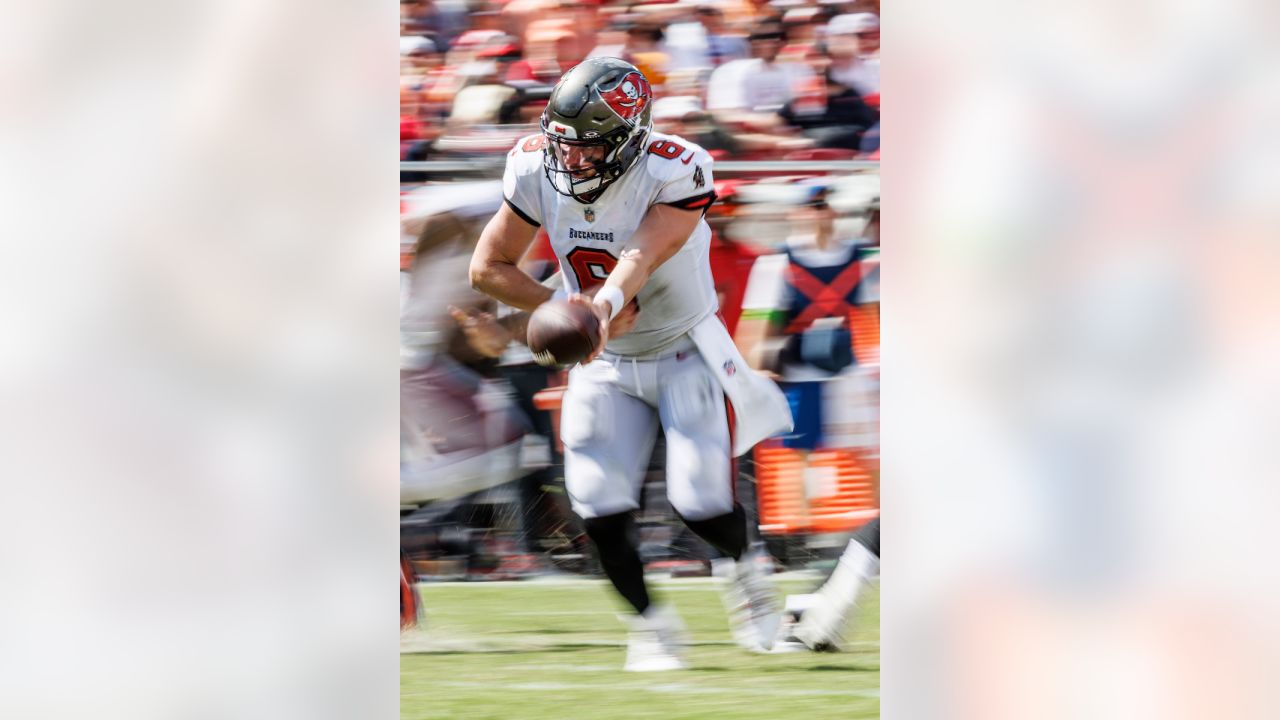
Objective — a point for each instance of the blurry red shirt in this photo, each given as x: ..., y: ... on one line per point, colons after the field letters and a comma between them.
x: 730, y: 267
x: 543, y: 72
x: 410, y: 128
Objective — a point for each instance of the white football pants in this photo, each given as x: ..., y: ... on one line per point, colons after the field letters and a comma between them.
x: 609, y: 420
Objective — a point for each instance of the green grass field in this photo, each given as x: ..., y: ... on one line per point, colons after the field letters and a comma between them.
x: 555, y: 648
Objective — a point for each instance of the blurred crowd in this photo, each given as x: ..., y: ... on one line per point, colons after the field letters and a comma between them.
x: 746, y: 79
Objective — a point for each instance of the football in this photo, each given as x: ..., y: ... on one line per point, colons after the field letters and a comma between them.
x: 562, y: 333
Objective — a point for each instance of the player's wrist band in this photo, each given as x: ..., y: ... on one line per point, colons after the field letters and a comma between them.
x: 614, y: 296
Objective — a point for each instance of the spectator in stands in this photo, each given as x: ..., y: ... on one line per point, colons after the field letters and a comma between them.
x: 445, y: 19
x: 645, y: 49
x: 414, y: 17
x: 420, y: 62
x: 587, y: 20
x: 488, y: 16
x: 548, y: 54
x: 853, y: 42
x: 705, y: 42
x: 504, y: 56
x: 801, y: 26
x: 870, y: 142
x: 419, y: 58
x: 683, y: 115
x: 519, y: 16
x: 838, y: 121
x: 747, y: 13
x: 749, y: 93
x: 482, y: 100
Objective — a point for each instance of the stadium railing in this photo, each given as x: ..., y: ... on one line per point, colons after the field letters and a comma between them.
x: 495, y: 165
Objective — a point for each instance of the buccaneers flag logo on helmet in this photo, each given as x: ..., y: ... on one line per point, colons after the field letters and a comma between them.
x: 630, y: 97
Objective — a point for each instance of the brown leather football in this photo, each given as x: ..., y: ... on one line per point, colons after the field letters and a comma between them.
x: 561, y: 333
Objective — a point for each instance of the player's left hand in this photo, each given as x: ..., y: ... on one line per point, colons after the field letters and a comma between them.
x: 625, y: 320
x: 602, y: 314
x: 482, y: 331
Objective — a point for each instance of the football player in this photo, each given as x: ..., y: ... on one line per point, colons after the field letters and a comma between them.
x: 623, y: 206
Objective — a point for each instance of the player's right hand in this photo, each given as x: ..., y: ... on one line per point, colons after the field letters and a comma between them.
x: 602, y: 314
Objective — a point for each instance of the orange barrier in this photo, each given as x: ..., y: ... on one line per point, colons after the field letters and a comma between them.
x: 864, y: 324
x: 549, y: 399
x: 832, y: 491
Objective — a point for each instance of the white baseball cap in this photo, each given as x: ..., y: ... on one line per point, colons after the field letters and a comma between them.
x: 410, y: 44
x: 853, y: 23
x: 676, y: 107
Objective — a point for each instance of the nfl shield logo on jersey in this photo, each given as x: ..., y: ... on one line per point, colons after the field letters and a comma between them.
x: 589, y: 214
x: 730, y: 368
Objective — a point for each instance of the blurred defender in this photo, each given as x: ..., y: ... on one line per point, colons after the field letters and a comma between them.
x: 623, y: 207
x: 818, y: 621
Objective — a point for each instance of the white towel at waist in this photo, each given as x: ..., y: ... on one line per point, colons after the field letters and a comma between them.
x: 760, y: 408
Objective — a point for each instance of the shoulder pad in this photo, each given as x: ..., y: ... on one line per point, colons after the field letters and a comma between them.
x: 671, y: 157
x: 526, y: 156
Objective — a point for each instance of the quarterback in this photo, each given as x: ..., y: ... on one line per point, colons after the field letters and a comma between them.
x: 623, y: 206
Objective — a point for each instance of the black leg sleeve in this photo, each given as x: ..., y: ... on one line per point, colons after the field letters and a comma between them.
x: 726, y: 533
x: 613, y: 538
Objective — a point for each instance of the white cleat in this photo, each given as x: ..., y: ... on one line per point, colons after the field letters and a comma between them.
x: 785, y: 641
x: 823, y: 623
x: 751, y: 601
x: 657, y: 641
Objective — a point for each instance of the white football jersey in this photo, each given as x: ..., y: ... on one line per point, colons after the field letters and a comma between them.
x: 589, y: 239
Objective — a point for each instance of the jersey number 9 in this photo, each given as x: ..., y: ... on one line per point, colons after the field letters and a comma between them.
x: 591, y: 266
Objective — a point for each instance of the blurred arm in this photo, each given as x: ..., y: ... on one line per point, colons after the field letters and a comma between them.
x: 516, y: 323
x: 494, y: 266
x: 759, y: 338
x: 759, y: 335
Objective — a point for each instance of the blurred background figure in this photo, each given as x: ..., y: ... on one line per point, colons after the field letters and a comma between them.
x: 831, y: 114
x: 457, y: 434
x: 854, y: 44
x: 550, y: 50
x: 749, y: 93
x: 704, y: 41
x: 799, y: 314
x: 481, y: 473
x: 817, y: 621
x: 644, y: 46
x: 421, y: 108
